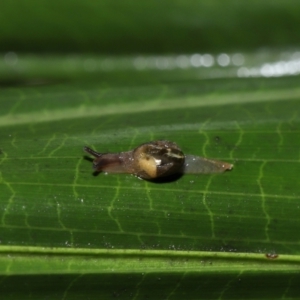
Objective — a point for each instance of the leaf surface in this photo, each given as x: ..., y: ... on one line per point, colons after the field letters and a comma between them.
x: 66, y: 234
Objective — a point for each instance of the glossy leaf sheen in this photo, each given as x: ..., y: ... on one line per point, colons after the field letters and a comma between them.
x: 66, y: 234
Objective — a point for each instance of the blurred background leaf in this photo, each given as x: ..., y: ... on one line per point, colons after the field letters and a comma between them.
x: 219, y: 78
x: 118, y: 27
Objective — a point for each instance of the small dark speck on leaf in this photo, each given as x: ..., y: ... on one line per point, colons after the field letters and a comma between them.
x: 1, y: 152
x: 271, y: 255
x: 217, y: 139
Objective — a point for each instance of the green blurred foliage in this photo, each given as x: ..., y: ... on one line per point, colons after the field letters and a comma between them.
x: 169, y: 26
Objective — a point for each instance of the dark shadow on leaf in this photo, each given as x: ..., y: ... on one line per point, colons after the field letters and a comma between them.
x: 96, y: 173
x: 90, y: 159
x: 8, y: 83
x: 167, y: 179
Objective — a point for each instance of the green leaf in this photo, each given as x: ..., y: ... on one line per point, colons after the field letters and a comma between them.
x: 66, y: 234
x: 49, y: 197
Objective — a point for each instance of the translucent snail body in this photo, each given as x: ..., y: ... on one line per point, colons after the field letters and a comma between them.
x: 155, y: 159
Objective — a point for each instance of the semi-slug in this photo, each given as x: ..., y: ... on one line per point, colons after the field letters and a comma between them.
x: 155, y: 159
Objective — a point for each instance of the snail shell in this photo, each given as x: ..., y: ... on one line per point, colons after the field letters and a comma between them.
x: 154, y: 160
x: 158, y: 159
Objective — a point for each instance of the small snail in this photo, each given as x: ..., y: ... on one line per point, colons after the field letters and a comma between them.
x: 154, y: 160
